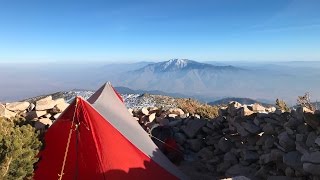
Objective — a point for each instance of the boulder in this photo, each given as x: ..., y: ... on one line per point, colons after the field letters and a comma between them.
x: 230, y: 157
x: 6, y: 113
x: 224, y: 144
x: 180, y: 138
x: 31, y: 107
x: 152, y: 117
x: 177, y: 122
x: 313, y: 169
x: 60, y: 101
x: 176, y: 111
x: 42, y: 123
x: 35, y: 114
x: 172, y: 115
x: 193, y: 127
x: 162, y: 121
x: 239, y: 169
x: 317, y: 141
x: 313, y: 157
x: 245, y: 111
x: 233, y: 108
x: 241, y: 130
x: 18, y: 106
x: 312, y: 120
x: 293, y: 160
x: 251, y: 127
x: 250, y: 156
x: 312, y: 136
x: 205, y: 154
x: 130, y: 111
x: 286, y: 142
x: 56, y: 116
x: 257, y: 108
x: 279, y: 178
x: 194, y: 144
x: 45, y: 104
x: 60, y: 107
x: 269, y: 129
x: 145, y: 111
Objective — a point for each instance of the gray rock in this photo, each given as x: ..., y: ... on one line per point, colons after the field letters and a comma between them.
x: 233, y: 108
x: 193, y: 127
x: 180, y: 138
x: 194, y: 144
x: 224, y: 144
x: 238, y: 169
x: 251, y: 127
x: 241, y: 130
x: 312, y: 136
x: 250, y: 156
x: 312, y: 120
x: 222, y: 167
x: 289, y: 172
x: 317, y: 141
x: 278, y: 178
x: 300, y: 137
x: 230, y: 157
x: 286, y: 142
x: 205, y: 153
x: 313, y: 157
x: 293, y: 160
x: 268, y: 129
x: 313, y: 169
x: 177, y: 122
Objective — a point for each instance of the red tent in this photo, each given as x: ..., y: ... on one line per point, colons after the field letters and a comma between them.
x: 84, y: 144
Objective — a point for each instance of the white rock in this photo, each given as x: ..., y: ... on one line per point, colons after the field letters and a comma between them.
x: 172, y: 115
x: 45, y: 104
x: 6, y: 113
x: 152, y: 117
x: 145, y: 111
x: 130, y: 111
x: 59, y: 101
x: 176, y: 111
x: 35, y: 114
x: 56, y: 116
x: 42, y: 123
x: 17, y: 106
x: 61, y: 107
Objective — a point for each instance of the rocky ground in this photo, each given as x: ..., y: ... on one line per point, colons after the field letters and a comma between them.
x: 243, y: 140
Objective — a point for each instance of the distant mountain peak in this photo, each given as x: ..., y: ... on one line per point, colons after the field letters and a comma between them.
x: 174, y: 65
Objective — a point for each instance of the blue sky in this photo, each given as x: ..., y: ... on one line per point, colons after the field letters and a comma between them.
x: 155, y: 30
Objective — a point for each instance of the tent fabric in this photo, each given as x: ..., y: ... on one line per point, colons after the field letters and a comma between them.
x: 111, y: 107
x: 97, y: 149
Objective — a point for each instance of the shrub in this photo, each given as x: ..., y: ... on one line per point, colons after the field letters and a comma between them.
x: 195, y: 107
x: 282, y: 105
x: 19, y: 146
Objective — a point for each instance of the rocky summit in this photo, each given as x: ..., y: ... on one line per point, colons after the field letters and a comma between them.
x: 243, y: 141
x: 240, y: 142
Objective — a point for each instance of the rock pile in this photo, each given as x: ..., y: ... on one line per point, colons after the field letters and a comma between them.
x: 42, y: 112
x: 251, y: 141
